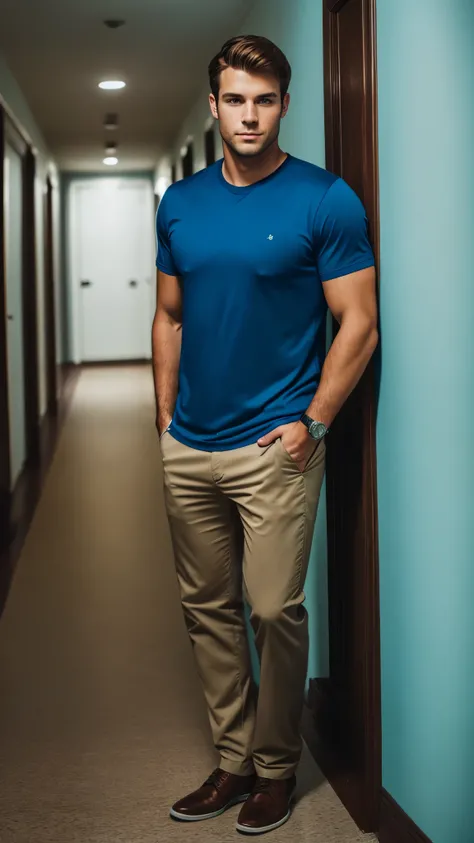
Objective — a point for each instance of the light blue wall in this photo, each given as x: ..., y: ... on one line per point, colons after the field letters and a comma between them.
x: 425, y: 443
x: 297, y: 29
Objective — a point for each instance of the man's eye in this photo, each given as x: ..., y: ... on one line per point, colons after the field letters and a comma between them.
x: 265, y: 101
x: 233, y: 100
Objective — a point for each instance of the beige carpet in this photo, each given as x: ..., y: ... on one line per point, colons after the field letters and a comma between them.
x: 102, y: 722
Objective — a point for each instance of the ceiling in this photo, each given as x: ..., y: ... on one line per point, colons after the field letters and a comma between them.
x: 59, y: 50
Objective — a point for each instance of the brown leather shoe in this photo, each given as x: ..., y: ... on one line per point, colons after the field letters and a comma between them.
x: 219, y: 792
x: 268, y: 806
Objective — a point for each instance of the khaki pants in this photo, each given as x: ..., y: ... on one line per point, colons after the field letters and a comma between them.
x: 242, y: 524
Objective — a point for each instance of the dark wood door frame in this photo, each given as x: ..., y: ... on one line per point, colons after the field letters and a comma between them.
x: 344, y: 727
x: 210, y: 146
x: 4, y: 418
x: 29, y: 289
x: 30, y: 309
x: 368, y: 186
x: 187, y: 161
x: 10, y: 132
x: 50, y: 299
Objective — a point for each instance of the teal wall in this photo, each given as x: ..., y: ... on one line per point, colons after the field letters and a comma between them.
x: 425, y: 443
x: 296, y: 28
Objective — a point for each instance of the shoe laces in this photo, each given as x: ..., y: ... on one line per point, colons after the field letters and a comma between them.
x: 217, y: 778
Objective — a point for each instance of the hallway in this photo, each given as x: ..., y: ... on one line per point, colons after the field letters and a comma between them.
x: 102, y: 722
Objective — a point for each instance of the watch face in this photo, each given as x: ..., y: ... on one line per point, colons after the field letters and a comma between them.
x: 317, y: 430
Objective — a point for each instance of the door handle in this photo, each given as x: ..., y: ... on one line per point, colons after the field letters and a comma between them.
x: 133, y: 283
x: 86, y: 283
x: 10, y: 317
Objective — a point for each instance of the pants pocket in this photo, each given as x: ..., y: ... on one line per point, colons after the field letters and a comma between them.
x: 313, y: 460
x: 317, y: 455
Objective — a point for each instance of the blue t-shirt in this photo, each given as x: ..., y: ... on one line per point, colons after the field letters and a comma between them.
x: 251, y: 261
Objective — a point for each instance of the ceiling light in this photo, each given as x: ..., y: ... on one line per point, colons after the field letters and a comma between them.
x: 111, y: 161
x: 112, y: 85
x: 114, y: 24
x: 111, y: 121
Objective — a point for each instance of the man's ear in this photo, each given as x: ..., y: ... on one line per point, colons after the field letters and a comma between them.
x: 285, y: 106
x: 213, y: 106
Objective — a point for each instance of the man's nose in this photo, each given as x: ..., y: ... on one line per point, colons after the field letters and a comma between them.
x: 250, y: 114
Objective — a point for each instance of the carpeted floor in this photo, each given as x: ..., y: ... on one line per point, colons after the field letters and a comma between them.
x: 102, y: 721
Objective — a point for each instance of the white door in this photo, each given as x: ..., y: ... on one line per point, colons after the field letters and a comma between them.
x: 14, y: 308
x: 113, y: 234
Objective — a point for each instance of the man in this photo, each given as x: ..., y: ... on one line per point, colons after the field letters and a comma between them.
x: 251, y: 252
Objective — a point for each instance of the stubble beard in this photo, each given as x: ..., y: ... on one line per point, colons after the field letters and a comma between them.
x: 250, y: 151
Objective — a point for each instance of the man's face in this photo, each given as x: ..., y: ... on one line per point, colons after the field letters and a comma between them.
x: 249, y: 111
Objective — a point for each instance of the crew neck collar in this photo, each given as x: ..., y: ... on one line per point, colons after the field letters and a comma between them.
x: 248, y: 187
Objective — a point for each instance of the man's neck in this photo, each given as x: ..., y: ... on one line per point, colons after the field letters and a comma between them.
x: 241, y: 171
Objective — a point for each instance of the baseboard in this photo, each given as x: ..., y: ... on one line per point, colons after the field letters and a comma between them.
x: 54, y: 418
x: 70, y: 376
x: 392, y: 824
x: 323, y: 741
x: 395, y: 825
x: 100, y: 364
x: 5, y: 526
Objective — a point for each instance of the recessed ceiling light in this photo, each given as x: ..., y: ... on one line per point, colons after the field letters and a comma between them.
x: 112, y: 85
x: 114, y: 24
x: 111, y: 161
x: 111, y: 121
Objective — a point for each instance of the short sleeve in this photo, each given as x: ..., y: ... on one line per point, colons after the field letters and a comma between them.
x: 164, y: 258
x: 340, y: 233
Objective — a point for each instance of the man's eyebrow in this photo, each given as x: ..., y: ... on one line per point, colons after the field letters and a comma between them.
x: 271, y: 95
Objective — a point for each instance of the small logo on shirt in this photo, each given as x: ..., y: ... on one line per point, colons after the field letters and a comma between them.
x: 270, y: 237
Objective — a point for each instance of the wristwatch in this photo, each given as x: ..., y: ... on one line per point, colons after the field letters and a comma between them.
x: 316, y: 428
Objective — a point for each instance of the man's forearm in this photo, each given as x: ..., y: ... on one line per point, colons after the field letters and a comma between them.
x: 166, y: 345
x: 345, y: 364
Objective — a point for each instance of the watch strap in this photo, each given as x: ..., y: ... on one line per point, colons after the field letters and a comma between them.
x: 308, y: 422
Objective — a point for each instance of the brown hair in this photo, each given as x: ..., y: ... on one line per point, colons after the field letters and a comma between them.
x: 254, y: 54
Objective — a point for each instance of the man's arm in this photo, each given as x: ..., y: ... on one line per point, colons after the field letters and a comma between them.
x: 166, y: 345
x: 353, y: 303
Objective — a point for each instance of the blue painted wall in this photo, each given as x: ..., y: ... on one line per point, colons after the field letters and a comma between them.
x: 425, y: 438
